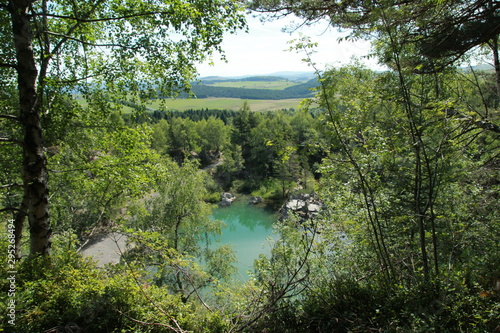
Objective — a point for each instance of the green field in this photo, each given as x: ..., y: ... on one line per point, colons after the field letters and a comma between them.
x: 274, y: 85
x: 226, y: 103
x: 183, y: 104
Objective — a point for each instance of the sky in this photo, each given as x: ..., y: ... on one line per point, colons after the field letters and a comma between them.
x: 264, y: 50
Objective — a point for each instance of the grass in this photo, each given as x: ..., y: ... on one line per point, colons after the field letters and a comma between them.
x: 226, y: 103
x: 257, y: 105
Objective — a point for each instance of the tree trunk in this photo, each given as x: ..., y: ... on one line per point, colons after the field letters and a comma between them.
x: 34, y: 161
x: 496, y: 61
x: 19, y: 219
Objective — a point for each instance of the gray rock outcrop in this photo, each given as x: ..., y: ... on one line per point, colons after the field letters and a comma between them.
x: 226, y: 199
x: 256, y: 200
x: 305, y: 206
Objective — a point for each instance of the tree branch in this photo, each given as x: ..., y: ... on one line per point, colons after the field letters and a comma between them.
x: 73, y: 28
x: 104, y: 19
x: 5, y: 65
x: 11, y: 185
x: 150, y: 324
x: 66, y: 37
x: 7, y: 209
x: 9, y: 117
x: 10, y: 140
x: 151, y: 301
x: 487, y: 125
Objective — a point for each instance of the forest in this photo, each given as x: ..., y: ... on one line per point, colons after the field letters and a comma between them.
x: 405, y: 163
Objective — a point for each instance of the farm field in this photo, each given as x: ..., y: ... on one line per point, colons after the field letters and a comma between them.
x: 257, y: 105
x: 182, y: 104
x: 274, y: 85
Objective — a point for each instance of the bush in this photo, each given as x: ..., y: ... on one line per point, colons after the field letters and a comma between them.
x: 342, y: 305
x: 69, y: 293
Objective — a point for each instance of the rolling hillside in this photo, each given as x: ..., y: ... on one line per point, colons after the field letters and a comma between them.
x: 256, y: 87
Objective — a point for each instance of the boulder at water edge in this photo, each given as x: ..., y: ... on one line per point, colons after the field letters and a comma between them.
x: 226, y: 199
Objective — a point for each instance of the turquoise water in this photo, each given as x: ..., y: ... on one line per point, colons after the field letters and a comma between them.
x: 247, y: 231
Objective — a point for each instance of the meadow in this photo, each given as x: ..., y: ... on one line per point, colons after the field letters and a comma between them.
x: 226, y: 103
x: 257, y: 105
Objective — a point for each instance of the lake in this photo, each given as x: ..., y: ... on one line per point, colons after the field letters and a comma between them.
x: 247, y: 230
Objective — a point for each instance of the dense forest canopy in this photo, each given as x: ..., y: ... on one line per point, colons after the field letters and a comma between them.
x: 403, y: 165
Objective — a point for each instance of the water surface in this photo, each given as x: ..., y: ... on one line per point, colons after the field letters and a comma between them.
x: 247, y: 230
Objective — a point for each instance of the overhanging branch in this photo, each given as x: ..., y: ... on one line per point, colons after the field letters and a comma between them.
x: 66, y: 37
x: 487, y: 125
x: 104, y: 19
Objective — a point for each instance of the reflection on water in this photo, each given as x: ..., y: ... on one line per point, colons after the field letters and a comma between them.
x: 247, y: 231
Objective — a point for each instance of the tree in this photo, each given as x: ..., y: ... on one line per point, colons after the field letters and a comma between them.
x: 176, y: 225
x: 160, y: 136
x: 243, y: 123
x: 265, y: 140
x: 438, y: 33
x: 398, y: 30
x: 214, y: 134
x: 183, y: 138
x: 48, y: 47
x: 97, y: 173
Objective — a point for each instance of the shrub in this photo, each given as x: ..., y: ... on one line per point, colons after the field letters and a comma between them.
x: 67, y: 292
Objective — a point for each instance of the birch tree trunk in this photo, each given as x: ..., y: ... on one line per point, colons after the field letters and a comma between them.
x: 34, y: 161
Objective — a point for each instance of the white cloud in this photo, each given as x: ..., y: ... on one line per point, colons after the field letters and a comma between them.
x: 264, y: 49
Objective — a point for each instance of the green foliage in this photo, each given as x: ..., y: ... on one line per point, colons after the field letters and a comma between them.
x: 399, y: 189
x: 183, y: 138
x: 119, y: 53
x: 407, y: 238
x: 67, y: 292
x: 97, y: 172
x: 231, y: 167
x: 272, y: 189
x: 160, y: 141
x: 177, y: 206
x: 173, y: 236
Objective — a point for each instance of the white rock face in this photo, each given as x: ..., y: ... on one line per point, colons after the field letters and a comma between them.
x: 313, y: 208
x: 295, y: 204
x: 305, y: 206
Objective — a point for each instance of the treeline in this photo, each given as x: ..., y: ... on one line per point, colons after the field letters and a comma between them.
x: 264, y: 78
x: 194, y: 114
x: 151, y: 117
x: 298, y: 91
x: 254, y: 149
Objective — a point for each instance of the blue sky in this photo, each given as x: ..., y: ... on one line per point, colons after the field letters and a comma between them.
x: 263, y: 50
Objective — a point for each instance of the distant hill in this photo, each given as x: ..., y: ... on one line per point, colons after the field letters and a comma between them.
x: 295, y: 76
x: 263, y: 78
x: 480, y: 68
x: 255, y: 87
x: 288, y: 75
